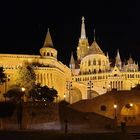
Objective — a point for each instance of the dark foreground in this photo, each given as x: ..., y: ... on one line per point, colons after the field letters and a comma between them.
x: 53, y: 135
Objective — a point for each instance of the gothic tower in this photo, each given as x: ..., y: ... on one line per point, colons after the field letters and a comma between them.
x: 83, y: 44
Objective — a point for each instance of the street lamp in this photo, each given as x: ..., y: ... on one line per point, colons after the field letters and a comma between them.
x: 64, y: 96
x: 115, y: 110
x: 90, y: 86
x: 23, y: 92
x: 115, y: 115
x: 69, y: 88
x: 131, y: 104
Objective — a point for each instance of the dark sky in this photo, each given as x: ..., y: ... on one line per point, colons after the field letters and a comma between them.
x: 23, y: 26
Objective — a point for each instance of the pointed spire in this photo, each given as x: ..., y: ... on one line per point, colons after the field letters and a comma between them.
x: 118, y: 54
x: 94, y: 35
x: 48, y: 40
x: 72, y: 62
x: 83, y: 31
x: 107, y: 55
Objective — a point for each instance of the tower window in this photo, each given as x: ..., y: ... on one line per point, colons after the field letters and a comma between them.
x: 94, y: 62
x: 48, y: 53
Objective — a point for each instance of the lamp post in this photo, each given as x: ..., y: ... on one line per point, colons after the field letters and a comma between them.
x: 64, y: 96
x: 115, y: 115
x: 115, y: 111
x: 90, y: 86
x: 20, y: 108
x: 69, y: 88
x: 23, y: 92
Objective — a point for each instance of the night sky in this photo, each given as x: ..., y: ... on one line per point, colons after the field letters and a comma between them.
x: 23, y: 26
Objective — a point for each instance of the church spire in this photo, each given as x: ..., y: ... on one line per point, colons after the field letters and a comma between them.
x: 107, y: 55
x: 83, y: 31
x: 118, y: 54
x: 72, y: 62
x: 118, y: 62
x: 94, y: 35
x: 48, y: 40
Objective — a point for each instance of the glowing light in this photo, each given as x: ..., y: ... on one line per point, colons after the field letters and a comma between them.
x: 64, y: 96
x: 22, y: 89
x: 115, y: 106
x: 131, y: 104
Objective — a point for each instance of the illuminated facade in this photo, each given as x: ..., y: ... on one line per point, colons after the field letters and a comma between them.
x: 49, y: 71
x: 94, y: 75
x: 96, y: 71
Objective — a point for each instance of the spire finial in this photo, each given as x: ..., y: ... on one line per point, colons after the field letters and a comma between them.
x: 83, y: 32
x: 83, y: 19
x: 48, y: 40
x: 118, y: 54
x: 107, y: 55
x: 94, y: 35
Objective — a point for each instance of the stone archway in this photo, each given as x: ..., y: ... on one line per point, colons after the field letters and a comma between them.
x: 130, y: 113
x: 92, y: 94
x: 76, y: 95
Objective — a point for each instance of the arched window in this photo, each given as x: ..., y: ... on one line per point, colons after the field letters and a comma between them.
x: 94, y: 62
x: 89, y: 63
x: 94, y: 71
x: 99, y: 62
x: 48, y: 54
x: 100, y: 71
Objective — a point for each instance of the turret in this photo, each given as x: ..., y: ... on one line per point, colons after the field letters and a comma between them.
x: 48, y: 51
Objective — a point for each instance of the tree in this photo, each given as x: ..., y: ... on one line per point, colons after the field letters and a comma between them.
x: 42, y: 93
x: 25, y: 77
x: 14, y: 94
x: 2, y: 76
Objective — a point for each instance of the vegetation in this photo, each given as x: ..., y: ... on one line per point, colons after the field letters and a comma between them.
x: 14, y: 94
x: 25, y: 77
x: 42, y: 93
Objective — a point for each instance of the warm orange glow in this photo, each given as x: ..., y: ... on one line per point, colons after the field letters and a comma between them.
x: 64, y: 96
x: 131, y: 104
x: 22, y: 89
x: 115, y: 106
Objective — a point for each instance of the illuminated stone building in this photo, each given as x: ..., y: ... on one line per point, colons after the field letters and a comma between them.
x: 96, y: 72
x: 92, y: 74
x: 49, y: 71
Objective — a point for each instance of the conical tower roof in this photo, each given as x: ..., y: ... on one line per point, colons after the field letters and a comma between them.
x: 95, y: 49
x: 48, y: 40
x: 72, y: 61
